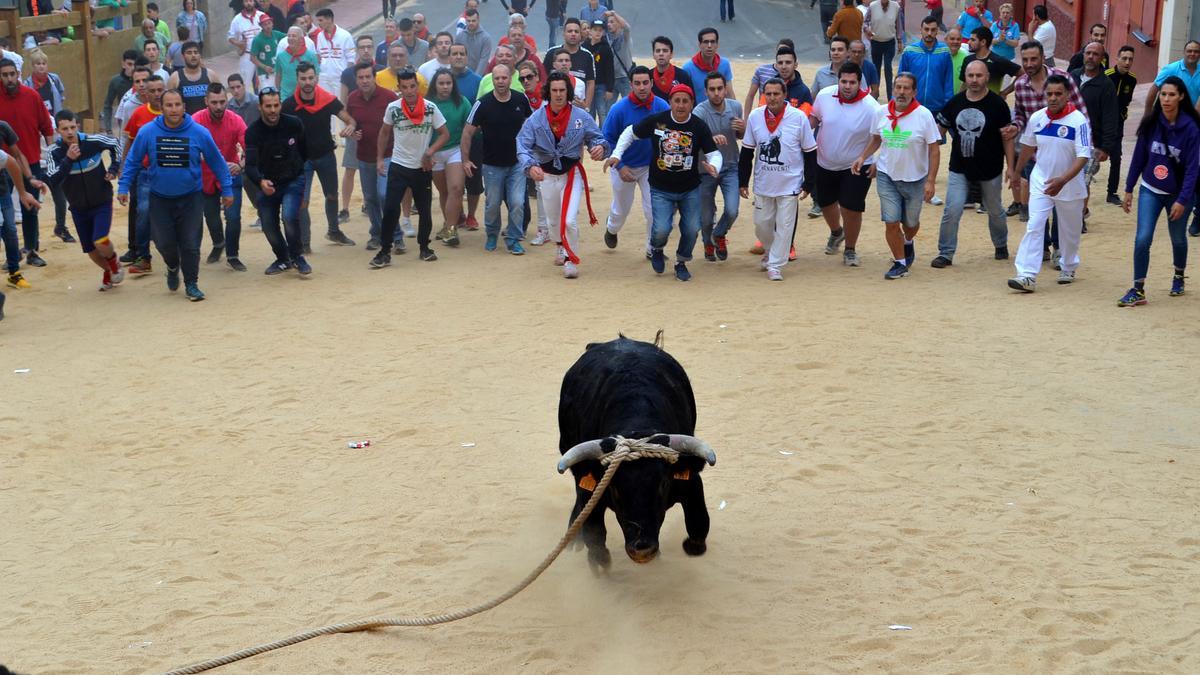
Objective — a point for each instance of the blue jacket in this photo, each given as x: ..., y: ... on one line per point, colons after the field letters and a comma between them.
x: 536, y: 144
x: 934, y: 69
x: 175, y: 156
x: 1171, y: 151
x: 625, y: 114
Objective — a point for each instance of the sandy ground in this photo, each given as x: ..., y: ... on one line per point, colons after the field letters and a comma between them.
x: 1011, y: 476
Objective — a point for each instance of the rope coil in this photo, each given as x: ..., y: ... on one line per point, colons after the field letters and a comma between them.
x: 627, y: 450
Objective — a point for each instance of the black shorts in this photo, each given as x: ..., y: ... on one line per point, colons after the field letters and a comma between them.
x: 843, y: 188
x: 475, y: 181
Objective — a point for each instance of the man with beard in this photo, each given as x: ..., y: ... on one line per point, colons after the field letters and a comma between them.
x: 193, y: 79
x: 275, y: 158
x: 583, y: 62
x: 229, y: 133
x: 24, y: 111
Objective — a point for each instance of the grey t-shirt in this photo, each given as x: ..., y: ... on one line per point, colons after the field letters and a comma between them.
x: 722, y: 123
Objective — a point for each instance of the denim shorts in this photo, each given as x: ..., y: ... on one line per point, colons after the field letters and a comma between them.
x: 350, y: 154
x: 900, y: 201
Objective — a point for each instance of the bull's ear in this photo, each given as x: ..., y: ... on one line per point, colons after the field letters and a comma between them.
x: 661, y: 439
x: 659, y: 341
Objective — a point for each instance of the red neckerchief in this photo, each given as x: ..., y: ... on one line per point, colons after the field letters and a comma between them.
x: 772, y: 119
x: 249, y: 16
x: 699, y: 63
x: 666, y: 79
x: 896, y: 116
x: 1067, y: 110
x: 321, y: 98
x: 558, y: 120
x: 648, y: 104
x: 40, y: 81
x: 296, y: 55
x: 535, y: 100
x: 861, y: 95
x: 417, y: 115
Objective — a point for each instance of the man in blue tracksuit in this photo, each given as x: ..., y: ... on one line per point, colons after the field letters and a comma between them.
x: 175, y: 146
x: 633, y: 171
x: 930, y: 62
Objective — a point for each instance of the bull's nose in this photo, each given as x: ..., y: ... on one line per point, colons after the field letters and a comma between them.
x: 642, y: 553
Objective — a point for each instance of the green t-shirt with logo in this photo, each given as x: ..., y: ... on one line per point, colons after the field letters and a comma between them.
x: 264, y: 47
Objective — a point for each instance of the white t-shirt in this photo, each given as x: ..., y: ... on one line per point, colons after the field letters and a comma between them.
x: 778, y: 155
x: 904, y: 154
x: 241, y: 28
x: 337, y: 54
x: 409, y: 141
x: 1047, y: 34
x: 846, y: 128
x: 1059, y: 143
x: 429, y: 68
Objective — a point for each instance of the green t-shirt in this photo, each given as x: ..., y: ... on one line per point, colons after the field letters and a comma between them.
x: 957, y: 60
x: 456, y: 119
x: 485, y: 85
x: 264, y: 46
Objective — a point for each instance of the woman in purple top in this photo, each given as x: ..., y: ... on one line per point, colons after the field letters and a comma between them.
x: 1165, y: 165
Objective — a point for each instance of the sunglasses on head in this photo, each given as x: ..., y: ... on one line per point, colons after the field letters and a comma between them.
x: 267, y: 91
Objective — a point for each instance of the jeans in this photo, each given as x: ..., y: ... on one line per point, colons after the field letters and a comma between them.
x: 29, y: 219
x: 1150, y: 205
x: 178, y: 228
x: 621, y: 87
x: 956, y: 196
x: 8, y: 230
x: 373, y: 188
x: 504, y: 183
x: 555, y: 23
x: 287, y: 244
x: 724, y: 4
x: 327, y: 171
x: 600, y: 106
x: 727, y: 182
x: 143, y: 217
x: 900, y: 201
x: 882, y: 53
x: 401, y: 179
x: 233, y: 219
x: 663, y: 205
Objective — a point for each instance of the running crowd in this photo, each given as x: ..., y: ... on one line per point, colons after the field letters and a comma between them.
x: 473, y: 117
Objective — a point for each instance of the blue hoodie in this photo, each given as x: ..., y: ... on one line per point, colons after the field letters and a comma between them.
x: 934, y: 69
x: 175, y: 156
x: 1167, y: 161
x: 625, y: 114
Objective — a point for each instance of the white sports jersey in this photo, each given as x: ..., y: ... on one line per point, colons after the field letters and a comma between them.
x: 1059, y: 143
x: 337, y: 54
x: 846, y: 128
x: 243, y: 28
x: 778, y: 154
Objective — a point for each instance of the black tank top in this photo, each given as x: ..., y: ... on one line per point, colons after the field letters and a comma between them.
x: 193, y: 91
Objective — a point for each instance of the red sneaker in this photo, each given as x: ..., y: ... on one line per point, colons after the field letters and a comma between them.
x: 106, y: 283
x: 792, y: 254
x: 710, y: 253
x: 471, y: 224
x: 757, y: 249
x: 722, y: 247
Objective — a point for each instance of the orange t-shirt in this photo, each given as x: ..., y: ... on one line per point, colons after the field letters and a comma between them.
x: 141, y: 116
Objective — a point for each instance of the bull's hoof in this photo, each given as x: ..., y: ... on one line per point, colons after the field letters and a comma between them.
x: 693, y: 547
x: 599, y: 559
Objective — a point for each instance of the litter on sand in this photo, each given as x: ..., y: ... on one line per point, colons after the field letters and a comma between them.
x: 467, y: 445
x: 897, y: 626
x: 136, y: 645
x: 21, y: 370
x: 721, y: 506
x: 785, y: 452
x: 722, y: 326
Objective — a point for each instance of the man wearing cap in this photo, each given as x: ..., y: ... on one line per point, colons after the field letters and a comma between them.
x: 682, y: 146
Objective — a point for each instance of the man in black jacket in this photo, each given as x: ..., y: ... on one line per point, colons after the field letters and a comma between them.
x: 117, y: 86
x: 597, y: 44
x: 1100, y: 97
x: 1124, y: 81
x: 275, y: 155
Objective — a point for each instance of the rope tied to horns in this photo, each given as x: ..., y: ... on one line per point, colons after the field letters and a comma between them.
x: 626, y: 450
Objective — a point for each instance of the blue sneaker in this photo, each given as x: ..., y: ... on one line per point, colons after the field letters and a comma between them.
x: 899, y: 271
x: 194, y: 293
x: 1132, y: 298
x: 172, y: 279
x: 490, y: 244
x: 277, y: 267
x: 515, y: 248
x: 302, y: 266
x: 681, y: 271
x: 1177, y: 285
x: 658, y: 262
x: 910, y: 254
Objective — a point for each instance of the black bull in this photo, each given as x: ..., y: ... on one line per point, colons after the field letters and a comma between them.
x: 635, y: 390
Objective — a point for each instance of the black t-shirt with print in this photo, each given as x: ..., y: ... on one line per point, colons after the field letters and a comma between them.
x: 978, y: 148
x: 499, y: 124
x: 318, y: 135
x: 678, y: 149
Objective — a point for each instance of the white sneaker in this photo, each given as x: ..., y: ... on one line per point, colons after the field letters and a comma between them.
x: 1065, y: 277
x: 774, y: 275
x: 936, y: 200
x: 850, y: 258
x: 560, y: 258
x: 540, y: 238
x: 1023, y: 284
x: 570, y: 271
x: 118, y: 276
x: 408, y: 228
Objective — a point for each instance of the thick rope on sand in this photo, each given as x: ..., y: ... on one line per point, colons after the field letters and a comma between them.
x: 625, y: 451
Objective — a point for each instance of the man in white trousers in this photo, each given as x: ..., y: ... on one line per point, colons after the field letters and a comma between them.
x: 633, y: 171
x: 1061, y: 138
x: 777, y: 143
x: 907, y: 138
x: 242, y: 30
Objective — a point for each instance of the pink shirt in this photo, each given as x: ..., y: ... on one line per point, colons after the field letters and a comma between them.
x: 230, y: 137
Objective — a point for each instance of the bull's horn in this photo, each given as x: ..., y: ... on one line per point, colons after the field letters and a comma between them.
x: 582, y: 452
x: 693, y: 446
